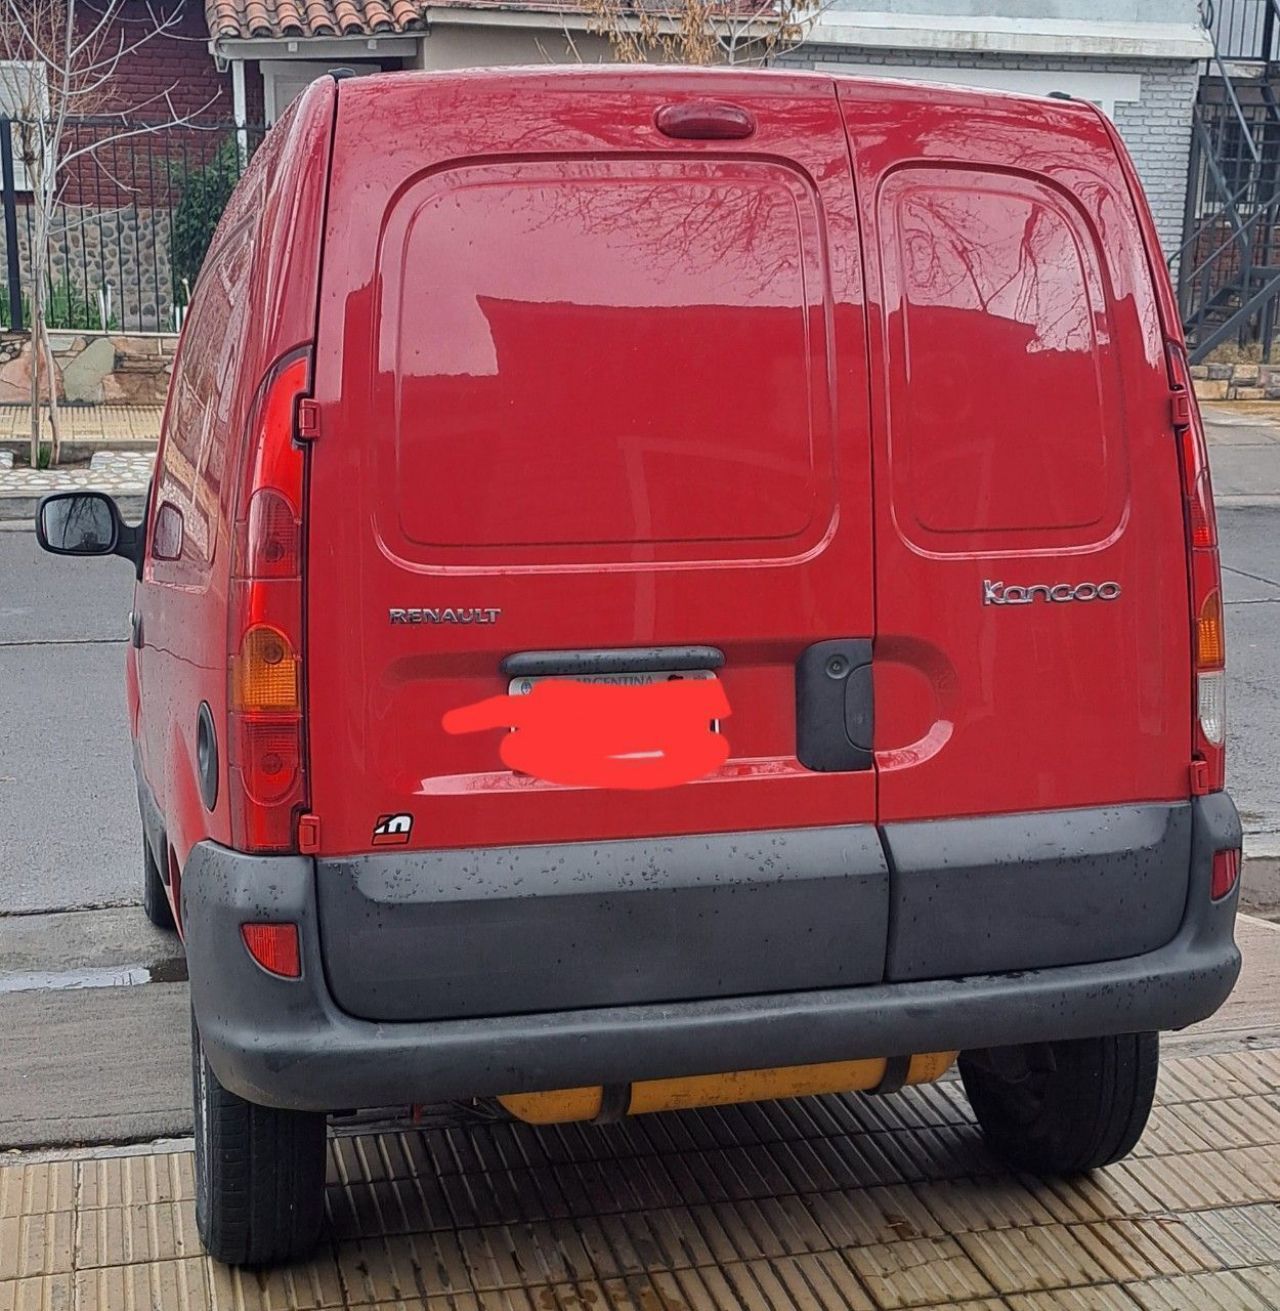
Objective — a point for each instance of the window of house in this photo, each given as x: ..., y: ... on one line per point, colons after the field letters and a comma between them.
x: 24, y: 95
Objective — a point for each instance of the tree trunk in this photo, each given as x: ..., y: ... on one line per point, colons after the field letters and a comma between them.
x: 37, y: 317
x: 51, y: 380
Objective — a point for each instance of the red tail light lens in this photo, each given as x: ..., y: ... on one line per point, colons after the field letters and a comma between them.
x: 273, y: 543
x: 269, y: 753
x: 274, y: 947
x: 267, y: 748
x: 1226, y: 870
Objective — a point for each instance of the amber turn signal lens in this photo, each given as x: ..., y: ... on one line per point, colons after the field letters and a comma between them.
x: 266, y: 671
x: 1211, y: 649
x: 274, y: 947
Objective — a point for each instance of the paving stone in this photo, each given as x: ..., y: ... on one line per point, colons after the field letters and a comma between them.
x: 918, y: 1272
x: 1219, y: 1291
x: 831, y: 1205
x: 88, y: 423
x: 1240, y: 1236
x: 37, y: 1189
x: 42, y: 1293
x: 116, y: 472
x: 1094, y: 1298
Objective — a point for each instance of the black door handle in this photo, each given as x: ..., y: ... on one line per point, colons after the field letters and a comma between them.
x: 135, y: 629
x: 835, y: 707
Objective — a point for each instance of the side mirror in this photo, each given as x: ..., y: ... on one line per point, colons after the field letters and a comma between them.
x: 86, y: 523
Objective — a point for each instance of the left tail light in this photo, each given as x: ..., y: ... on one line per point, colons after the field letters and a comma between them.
x: 267, y: 742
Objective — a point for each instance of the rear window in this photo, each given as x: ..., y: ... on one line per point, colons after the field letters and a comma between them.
x: 589, y: 352
x: 1005, y: 405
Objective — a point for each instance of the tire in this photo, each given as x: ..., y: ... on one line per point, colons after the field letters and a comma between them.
x: 1064, y: 1108
x: 259, y: 1173
x: 154, y: 901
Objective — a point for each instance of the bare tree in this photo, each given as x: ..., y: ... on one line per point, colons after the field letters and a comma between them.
x: 702, y: 31
x: 61, y: 61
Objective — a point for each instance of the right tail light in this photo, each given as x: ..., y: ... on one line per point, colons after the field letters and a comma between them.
x: 1209, y: 731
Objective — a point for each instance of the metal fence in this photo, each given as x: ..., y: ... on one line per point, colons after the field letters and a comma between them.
x: 136, y: 205
x: 1244, y: 29
x: 1229, y: 263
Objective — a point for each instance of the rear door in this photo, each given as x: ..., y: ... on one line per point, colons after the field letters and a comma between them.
x: 585, y: 386
x: 1033, y: 639
x: 582, y: 385
x: 1033, y: 645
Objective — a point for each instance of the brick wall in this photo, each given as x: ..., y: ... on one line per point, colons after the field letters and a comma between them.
x: 177, y: 63
x: 1156, y: 128
x: 170, y: 76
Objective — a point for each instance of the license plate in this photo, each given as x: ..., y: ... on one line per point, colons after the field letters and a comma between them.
x: 523, y: 686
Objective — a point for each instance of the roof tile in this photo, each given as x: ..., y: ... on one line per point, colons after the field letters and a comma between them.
x: 277, y: 18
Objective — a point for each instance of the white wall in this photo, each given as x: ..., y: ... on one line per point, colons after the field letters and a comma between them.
x: 459, y: 45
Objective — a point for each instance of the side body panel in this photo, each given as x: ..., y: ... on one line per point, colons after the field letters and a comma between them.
x: 255, y: 300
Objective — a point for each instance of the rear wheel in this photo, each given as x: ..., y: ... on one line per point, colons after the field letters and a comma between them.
x: 1064, y: 1107
x: 259, y: 1173
x: 154, y: 901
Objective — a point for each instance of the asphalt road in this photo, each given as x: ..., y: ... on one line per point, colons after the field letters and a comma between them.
x: 69, y: 831
x: 1250, y: 542
x: 109, y: 1063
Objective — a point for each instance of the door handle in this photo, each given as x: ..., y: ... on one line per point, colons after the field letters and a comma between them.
x: 835, y: 706
x: 135, y: 630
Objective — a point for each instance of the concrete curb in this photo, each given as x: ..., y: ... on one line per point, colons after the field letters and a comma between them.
x: 1252, y: 502
x: 19, y: 506
x: 81, y: 448
x: 1260, y: 877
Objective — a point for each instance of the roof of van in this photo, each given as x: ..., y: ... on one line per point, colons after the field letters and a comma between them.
x: 883, y: 88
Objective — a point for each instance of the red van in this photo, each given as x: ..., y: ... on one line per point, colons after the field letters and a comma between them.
x: 866, y: 402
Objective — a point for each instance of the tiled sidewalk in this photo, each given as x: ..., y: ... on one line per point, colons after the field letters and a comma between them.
x: 831, y: 1204
x: 94, y: 424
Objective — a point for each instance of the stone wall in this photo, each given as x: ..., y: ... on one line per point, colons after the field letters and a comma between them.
x: 125, y: 250
x: 92, y: 368
x: 1236, y: 382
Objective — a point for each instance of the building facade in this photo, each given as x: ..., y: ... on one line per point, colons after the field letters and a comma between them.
x: 1139, y: 60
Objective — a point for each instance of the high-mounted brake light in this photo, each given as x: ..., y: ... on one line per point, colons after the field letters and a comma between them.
x: 266, y: 751
x: 1209, y: 648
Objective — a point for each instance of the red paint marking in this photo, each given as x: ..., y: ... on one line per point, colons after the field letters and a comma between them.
x: 581, y: 734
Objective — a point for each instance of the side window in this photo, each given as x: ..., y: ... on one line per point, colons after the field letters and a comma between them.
x: 190, y: 470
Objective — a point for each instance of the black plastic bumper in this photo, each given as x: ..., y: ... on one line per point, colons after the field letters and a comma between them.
x: 286, y: 1043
